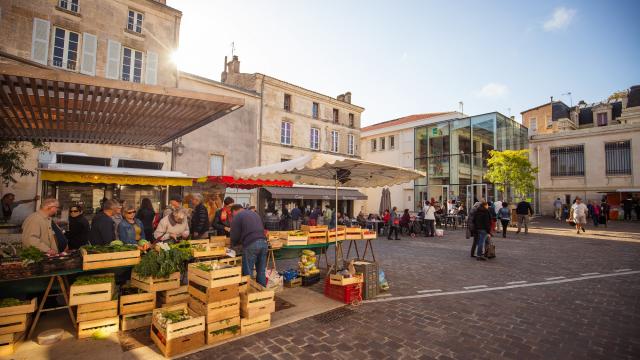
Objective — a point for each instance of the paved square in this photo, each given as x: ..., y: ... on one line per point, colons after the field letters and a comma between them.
x: 550, y: 294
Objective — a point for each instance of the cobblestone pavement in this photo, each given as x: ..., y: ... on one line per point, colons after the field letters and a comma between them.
x: 561, y: 296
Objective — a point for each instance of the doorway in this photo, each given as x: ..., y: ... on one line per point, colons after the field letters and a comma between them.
x: 476, y: 191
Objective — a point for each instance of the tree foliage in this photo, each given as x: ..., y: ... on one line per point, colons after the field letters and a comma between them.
x: 12, y: 159
x: 511, y: 168
x: 617, y: 95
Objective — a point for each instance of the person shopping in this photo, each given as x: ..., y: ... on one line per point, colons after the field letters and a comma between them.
x: 247, y: 230
x: 504, y: 215
x: 78, y: 233
x: 130, y: 229
x: 146, y: 214
x: 174, y: 227
x: 430, y: 219
x: 482, y: 225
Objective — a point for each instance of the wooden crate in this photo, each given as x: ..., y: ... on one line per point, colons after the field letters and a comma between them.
x: 317, y: 239
x: 197, y: 242
x: 337, y: 279
x: 214, y: 278
x: 220, y: 241
x: 87, y: 328
x: 331, y: 234
x: 354, y: 230
x: 209, y: 251
x: 353, y: 236
x: 263, y: 308
x: 175, y: 330
x: 223, y: 330
x: 315, y: 228
x: 243, y: 286
x: 252, y: 325
x: 13, y: 323
x: 136, y: 320
x: 19, y: 309
x: 178, y: 345
x: 257, y: 301
x: 109, y: 260
x: 296, y: 241
x: 97, y: 311
x: 369, y: 234
x: 174, y: 296
x: 151, y: 284
x: 137, y: 303
x: 8, y: 342
x: 216, y: 311
x: 293, y: 283
x: 209, y: 295
x: 85, y: 294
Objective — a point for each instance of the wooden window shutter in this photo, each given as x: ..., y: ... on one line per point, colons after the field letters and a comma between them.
x: 151, y: 75
x: 40, y: 41
x: 113, y: 60
x: 89, y: 52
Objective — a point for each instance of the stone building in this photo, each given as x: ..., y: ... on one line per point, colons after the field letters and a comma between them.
x: 106, y: 66
x: 588, y: 151
x: 294, y: 121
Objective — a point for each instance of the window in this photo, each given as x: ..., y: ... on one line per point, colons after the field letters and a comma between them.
x: 65, y: 49
x: 335, y: 139
x: 374, y: 145
x: 601, y: 119
x: 351, y: 120
x: 335, y: 116
x: 70, y: 5
x: 285, y: 133
x: 567, y: 161
x: 135, y: 21
x: 618, y: 157
x: 131, y: 65
x: 350, y: 145
x: 215, y: 165
x: 382, y: 144
x: 392, y: 142
x: 287, y: 102
x: 314, y: 141
x: 315, y: 110
x: 533, y: 126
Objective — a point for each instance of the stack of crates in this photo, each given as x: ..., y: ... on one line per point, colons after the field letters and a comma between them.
x: 343, y: 293
x: 215, y: 294
x: 369, y: 271
x: 256, y: 306
x: 97, y: 303
x: 136, y: 307
x: 14, y: 322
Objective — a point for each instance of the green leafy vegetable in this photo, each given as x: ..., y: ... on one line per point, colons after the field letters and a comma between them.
x: 101, y: 249
x: 232, y: 329
x: 90, y: 280
x: 11, y: 302
x: 162, y: 264
x: 204, y: 267
x: 31, y: 255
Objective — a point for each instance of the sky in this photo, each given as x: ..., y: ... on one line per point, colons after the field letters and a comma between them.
x: 407, y: 57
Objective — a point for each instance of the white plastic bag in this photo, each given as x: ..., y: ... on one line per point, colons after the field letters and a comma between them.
x: 439, y: 232
x: 274, y: 280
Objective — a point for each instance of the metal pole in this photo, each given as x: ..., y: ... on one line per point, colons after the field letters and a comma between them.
x: 335, y: 213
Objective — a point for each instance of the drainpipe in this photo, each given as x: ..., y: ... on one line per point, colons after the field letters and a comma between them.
x: 538, y: 179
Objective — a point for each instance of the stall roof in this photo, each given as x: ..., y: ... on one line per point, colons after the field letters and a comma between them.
x: 231, y: 182
x: 312, y: 193
x: 113, y: 175
x: 52, y: 105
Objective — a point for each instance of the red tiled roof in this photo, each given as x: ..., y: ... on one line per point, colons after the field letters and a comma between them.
x: 403, y: 120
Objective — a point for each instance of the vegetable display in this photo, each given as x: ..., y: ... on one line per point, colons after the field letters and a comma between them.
x: 162, y: 263
x: 171, y: 317
x: 232, y: 329
x: 31, y: 255
x: 90, y: 280
x: 101, y: 249
x: 7, y: 302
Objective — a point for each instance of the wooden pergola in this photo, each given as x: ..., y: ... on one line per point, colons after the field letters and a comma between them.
x: 59, y: 106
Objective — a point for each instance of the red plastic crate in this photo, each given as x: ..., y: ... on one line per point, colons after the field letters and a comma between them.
x: 346, y: 294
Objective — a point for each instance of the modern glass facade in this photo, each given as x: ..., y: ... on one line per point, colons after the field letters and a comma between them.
x: 454, y: 155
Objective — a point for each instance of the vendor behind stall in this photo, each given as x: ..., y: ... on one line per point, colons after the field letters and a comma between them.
x: 173, y: 227
x: 102, y: 225
x: 222, y: 220
x: 247, y: 229
x: 37, y: 230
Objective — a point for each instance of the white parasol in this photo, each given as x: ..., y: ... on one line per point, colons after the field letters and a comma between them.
x: 332, y: 170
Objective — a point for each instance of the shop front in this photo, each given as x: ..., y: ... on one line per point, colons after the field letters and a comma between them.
x: 275, y: 199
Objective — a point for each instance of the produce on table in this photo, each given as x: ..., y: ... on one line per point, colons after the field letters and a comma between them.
x: 116, y: 243
x: 214, y: 265
x: 7, y: 302
x: 142, y: 242
x: 232, y: 329
x: 31, y: 255
x: 101, y: 249
x: 90, y: 280
x: 162, y: 263
x: 171, y: 317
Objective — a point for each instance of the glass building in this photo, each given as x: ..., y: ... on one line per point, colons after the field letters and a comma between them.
x: 454, y: 155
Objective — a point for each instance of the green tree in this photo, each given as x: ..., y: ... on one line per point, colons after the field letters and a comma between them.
x: 12, y: 157
x: 511, y: 169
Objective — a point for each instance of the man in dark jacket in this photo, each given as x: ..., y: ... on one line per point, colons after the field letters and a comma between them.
x: 222, y: 219
x: 471, y: 227
x: 102, y: 225
x: 199, y: 218
x: 482, y: 225
x: 523, y: 211
x: 247, y: 230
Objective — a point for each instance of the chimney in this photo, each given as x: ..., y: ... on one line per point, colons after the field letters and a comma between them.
x: 347, y: 97
x: 223, y: 76
x: 234, y: 65
x: 552, y: 99
x: 341, y: 97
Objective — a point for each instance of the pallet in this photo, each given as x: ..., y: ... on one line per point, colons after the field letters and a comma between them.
x: 250, y: 326
x: 19, y: 309
x: 179, y: 345
x: 109, y: 260
x: 222, y: 330
x: 336, y: 279
x: 209, y: 251
x: 209, y: 295
x: 87, y: 328
x: 97, y: 311
x: 214, y: 278
x: 136, y: 320
x: 13, y: 323
x: 92, y: 293
x: 182, y: 328
x: 137, y: 303
x: 174, y: 296
x: 216, y: 311
x: 151, y: 284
